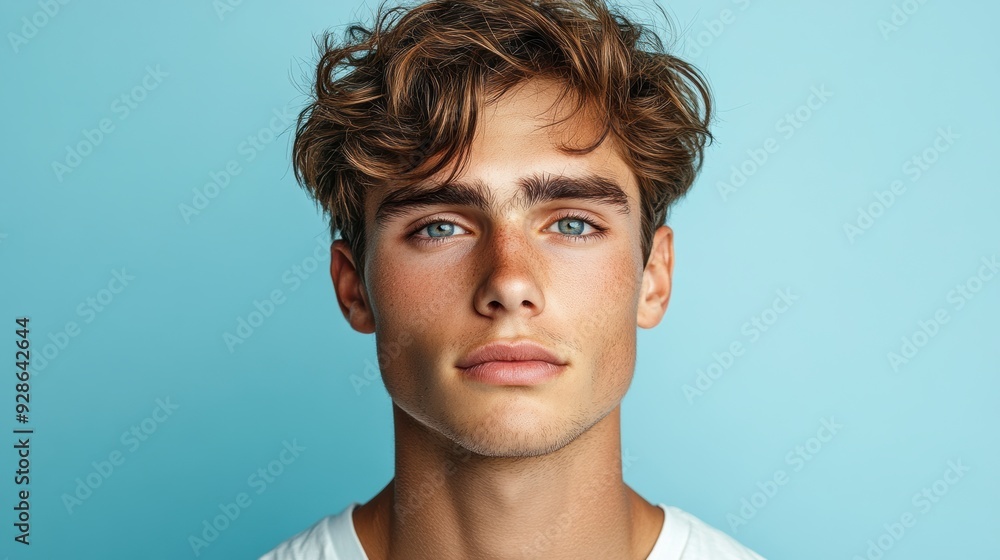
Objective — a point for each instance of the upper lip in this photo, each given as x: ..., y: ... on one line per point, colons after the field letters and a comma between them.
x: 523, y: 350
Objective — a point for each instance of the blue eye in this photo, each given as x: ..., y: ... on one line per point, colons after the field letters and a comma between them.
x: 574, y: 228
x: 571, y: 226
x: 437, y: 230
x: 444, y: 228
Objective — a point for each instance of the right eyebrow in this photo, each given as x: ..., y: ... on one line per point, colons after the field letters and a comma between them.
x: 456, y: 193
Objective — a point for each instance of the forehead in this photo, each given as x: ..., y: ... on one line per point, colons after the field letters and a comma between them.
x: 541, y: 115
x: 523, y: 135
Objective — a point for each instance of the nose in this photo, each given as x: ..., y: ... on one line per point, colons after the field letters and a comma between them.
x: 511, y: 277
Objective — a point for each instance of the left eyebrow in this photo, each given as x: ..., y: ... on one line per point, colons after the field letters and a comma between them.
x: 538, y: 189
x: 534, y: 189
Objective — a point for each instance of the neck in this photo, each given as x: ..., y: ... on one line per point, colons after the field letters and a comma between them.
x: 446, y: 502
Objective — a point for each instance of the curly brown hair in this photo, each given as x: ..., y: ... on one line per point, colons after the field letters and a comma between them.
x: 397, y: 103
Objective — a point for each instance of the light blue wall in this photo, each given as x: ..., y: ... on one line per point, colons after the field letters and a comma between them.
x: 208, y: 82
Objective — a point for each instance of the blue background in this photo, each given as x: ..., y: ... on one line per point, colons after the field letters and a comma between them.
x: 226, y: 73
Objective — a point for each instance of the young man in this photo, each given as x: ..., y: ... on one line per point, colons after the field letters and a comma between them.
x: 500, y: 171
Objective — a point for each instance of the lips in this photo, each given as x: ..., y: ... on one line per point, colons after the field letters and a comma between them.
x: 520, y: 351
x: 520, y: 363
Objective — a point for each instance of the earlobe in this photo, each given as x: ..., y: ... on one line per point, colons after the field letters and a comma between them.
x: 350, y: 289
x: 656, y: 279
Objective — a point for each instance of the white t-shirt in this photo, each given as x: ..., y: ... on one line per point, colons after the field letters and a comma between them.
x: 683, y: 537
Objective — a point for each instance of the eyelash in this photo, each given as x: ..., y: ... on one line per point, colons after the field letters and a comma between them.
x: 598, y: 233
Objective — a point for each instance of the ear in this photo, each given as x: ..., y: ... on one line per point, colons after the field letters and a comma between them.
x: 351, y: 293
x: 656, y: 279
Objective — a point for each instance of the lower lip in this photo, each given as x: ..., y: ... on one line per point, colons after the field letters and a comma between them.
x: 512, y: 373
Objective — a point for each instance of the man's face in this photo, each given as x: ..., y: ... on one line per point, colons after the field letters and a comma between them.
x: 455, y: 272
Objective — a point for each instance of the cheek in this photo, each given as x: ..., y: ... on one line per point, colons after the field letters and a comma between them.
x: 415, y: 302
x: 609, y: 322
x: 414, y: 314
x: 399, y: 294
x: 610, y: 331
x: 609, y: 289
x: 405, y: 286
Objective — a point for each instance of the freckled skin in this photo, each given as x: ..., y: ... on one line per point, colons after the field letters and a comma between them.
x: 526, y: 451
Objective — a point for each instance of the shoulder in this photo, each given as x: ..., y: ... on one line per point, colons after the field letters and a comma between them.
x: 331, y: 538
x: 686, y: 537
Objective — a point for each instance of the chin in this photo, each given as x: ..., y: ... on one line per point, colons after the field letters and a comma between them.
x: 504, y: 432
